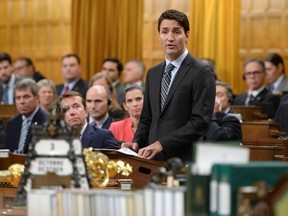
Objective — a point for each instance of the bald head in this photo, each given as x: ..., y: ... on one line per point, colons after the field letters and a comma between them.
x: 97, y: 102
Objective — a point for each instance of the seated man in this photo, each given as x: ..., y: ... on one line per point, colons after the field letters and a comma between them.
x: 98, y: 99
x: 257, y: 94
x: 18, y: 132
x: 75, y: 115
x: 24, y: 67
x: 281, y: 116
x: 223, y: 126
x: 133, y: 103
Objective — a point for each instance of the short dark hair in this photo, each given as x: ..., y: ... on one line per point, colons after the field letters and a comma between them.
x: 72, y: 55
x: 259, y: 61
x: 228, y: 90
x: 70, y: 94
x: 117, y: 61
x: 5, y: 57
x: 180, y: 17
x: 27, y: 60
x: 131, y: 88
x: 275, y: 59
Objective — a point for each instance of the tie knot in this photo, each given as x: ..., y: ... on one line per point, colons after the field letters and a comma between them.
x: 169, y: 68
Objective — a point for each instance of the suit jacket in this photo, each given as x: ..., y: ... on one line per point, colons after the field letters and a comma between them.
x: 187, y: 111
x: 81, y: 86
x: 98, y: 138
x: 13, y: 130
x: 1, y: 83
x: 223, y: 127
x: 281, y: 116
x: 268, y: 102
x: 107, y: 123
x: 283, y: 86
x: 120, y: 93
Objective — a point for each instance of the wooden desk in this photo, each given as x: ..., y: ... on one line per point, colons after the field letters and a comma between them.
x: 142, y: 168
x: 249, y: 113
x: 7, y: 111
x: 261, y: 137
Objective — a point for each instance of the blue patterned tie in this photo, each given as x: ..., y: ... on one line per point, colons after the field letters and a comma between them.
x: 23, y: 135
x: 166, y: 79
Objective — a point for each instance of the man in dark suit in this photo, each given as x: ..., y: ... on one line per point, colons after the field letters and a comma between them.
x: 98, y: 99
x: 71, y: 71
x: 18, y: 132
x: 224, y: 126
x: 254, y: 75
x: 75, y: 115
x: 171, y: 122
x: 281, y: 116
x: 113, y: 68
x: 7, y: 79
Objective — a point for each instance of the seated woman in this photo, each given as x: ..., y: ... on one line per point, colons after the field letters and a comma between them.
x: 133, y: 103
x: 115, y: 110
x: 47, y: 93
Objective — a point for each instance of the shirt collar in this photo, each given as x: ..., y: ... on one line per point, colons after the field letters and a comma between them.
x: 177, y: 62
x: 278, y: 81
x: 72, y: 84
x: 256, y: 92
x: 30, y: 118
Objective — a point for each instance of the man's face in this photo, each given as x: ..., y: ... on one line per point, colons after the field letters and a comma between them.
x: 25, y: 101
x: 71, y: 70
x: 110, y: 69
x: 222, y: 97
x: 75, y: 113
x: 255, y: 76
x: 97, y: 102
x: 21, y: 68
x: 273, y: 72
x: 172, y: 38
x: 131, y: 73
x: 6, y: 70
x: 134, y: 103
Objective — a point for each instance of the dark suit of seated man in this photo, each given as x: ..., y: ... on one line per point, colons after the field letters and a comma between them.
x: 18, y: 131
x: 281, y: 116
x: 223, y: 126
x: 257, y: 94
x: 75, y: 115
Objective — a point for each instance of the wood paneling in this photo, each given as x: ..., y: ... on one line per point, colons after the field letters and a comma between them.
x: 39, y: 29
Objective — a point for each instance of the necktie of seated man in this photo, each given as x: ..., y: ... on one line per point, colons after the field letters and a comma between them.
x: 166, y: 79
x: 23, y: 135
x: 5, y: 94
x: 251, y: 99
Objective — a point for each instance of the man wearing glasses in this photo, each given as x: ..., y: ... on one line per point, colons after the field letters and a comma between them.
x: 257, y: 94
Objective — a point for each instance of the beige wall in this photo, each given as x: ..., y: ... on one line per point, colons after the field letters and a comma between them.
x: 39, y: 29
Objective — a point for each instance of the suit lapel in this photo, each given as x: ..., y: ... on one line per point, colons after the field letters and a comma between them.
x: 156, y: 83
x: 86, y: 136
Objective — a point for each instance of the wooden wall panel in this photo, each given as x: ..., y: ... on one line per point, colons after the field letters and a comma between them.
x: 39, y: 29
x: 264, y: 29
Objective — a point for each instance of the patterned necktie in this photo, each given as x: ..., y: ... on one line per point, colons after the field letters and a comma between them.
x: 23, y: 135
x: 251, y: 99
x: 166, y: 79
x: 5, y: 94
x: 66, y: 88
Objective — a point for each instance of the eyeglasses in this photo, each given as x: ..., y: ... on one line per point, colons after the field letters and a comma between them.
x: 252, y: 74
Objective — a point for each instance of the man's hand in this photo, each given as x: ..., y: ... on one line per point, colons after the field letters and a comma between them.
x: 130, y: 145
x: 150, y: 151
